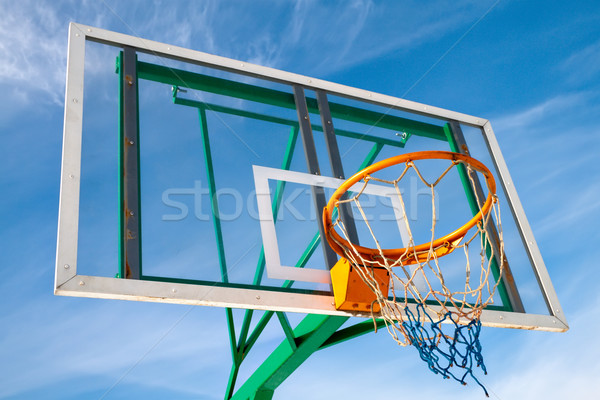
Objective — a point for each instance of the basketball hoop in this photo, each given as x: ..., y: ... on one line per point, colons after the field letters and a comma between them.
x: 452, y: 354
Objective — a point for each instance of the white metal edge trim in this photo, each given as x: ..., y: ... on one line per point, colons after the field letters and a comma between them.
x: 68, y: 211
x: 267, y: 224
x: 215, y: 296
x: 170, y: 51
x: 530, y: 243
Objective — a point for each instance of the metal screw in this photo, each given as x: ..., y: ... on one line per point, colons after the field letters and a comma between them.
x: 257, y: 297
x: 309, y: 81
x: 81, y: 283
x: 174, y: 290
x: 75, y: 101
x: 328, y: 122
x: 71, y: 176
x: 77, y: 34
x: 168, y: 48
x: 242, y: 64
x: 306, y: 117
x: 89, y: 30
x: 501, y: 317
x: 67, y: 266
x: 131, y: 142
x: 131, y: 213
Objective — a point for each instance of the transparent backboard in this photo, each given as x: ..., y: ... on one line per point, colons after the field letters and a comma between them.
x: 196, y: 179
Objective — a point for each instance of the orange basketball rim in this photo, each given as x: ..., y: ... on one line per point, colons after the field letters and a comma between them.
x: 419, y: 253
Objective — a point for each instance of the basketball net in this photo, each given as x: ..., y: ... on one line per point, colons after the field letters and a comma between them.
x: 419, y: 300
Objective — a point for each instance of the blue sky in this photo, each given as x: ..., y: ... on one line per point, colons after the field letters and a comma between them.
x: 532, y: 68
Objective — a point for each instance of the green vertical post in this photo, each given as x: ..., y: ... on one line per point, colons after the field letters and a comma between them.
x: 217, y: 223
x: 130, y: 229
x: 212, y: 191
x: 121, y: 273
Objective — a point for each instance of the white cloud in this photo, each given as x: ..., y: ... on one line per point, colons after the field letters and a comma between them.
x: 33, y: 40
x: 583, y: 65
x: 537, y: 113
x: 106, y: 339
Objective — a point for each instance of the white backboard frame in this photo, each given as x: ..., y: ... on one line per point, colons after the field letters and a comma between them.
x: 69, y: 283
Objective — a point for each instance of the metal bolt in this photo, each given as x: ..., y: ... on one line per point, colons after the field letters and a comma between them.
x: 257, y: 297
x: 501, y: 317
x: 309, y: 81
x: 75, y: 101
x: 131, y: 213
x: 328, y: 122
x: 174, y: 290
x: 306, y: 117
x: 77, y: 34
x: 67, y: 266
x: 89, y: 30
x: 81, y: 283
x: 332, y: 303
x: 131, y: 142
x: 168, y: 48
x: 71, y: 176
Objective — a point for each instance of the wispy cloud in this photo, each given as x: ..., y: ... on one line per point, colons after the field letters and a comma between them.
x: 360, y: 23
x: 33, y: 42
x: 583, y: 65
x: 536, y: 113
x: 97, y: 349
x: 34, y: 38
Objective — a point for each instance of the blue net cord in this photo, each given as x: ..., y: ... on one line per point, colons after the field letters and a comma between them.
x: 455, y: 356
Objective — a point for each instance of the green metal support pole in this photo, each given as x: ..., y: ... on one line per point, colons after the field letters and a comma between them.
x: 287, y: 330
x: 311, y: 333
x: 217, y: 224
x: 352, y: 332
x: 263, y: 394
